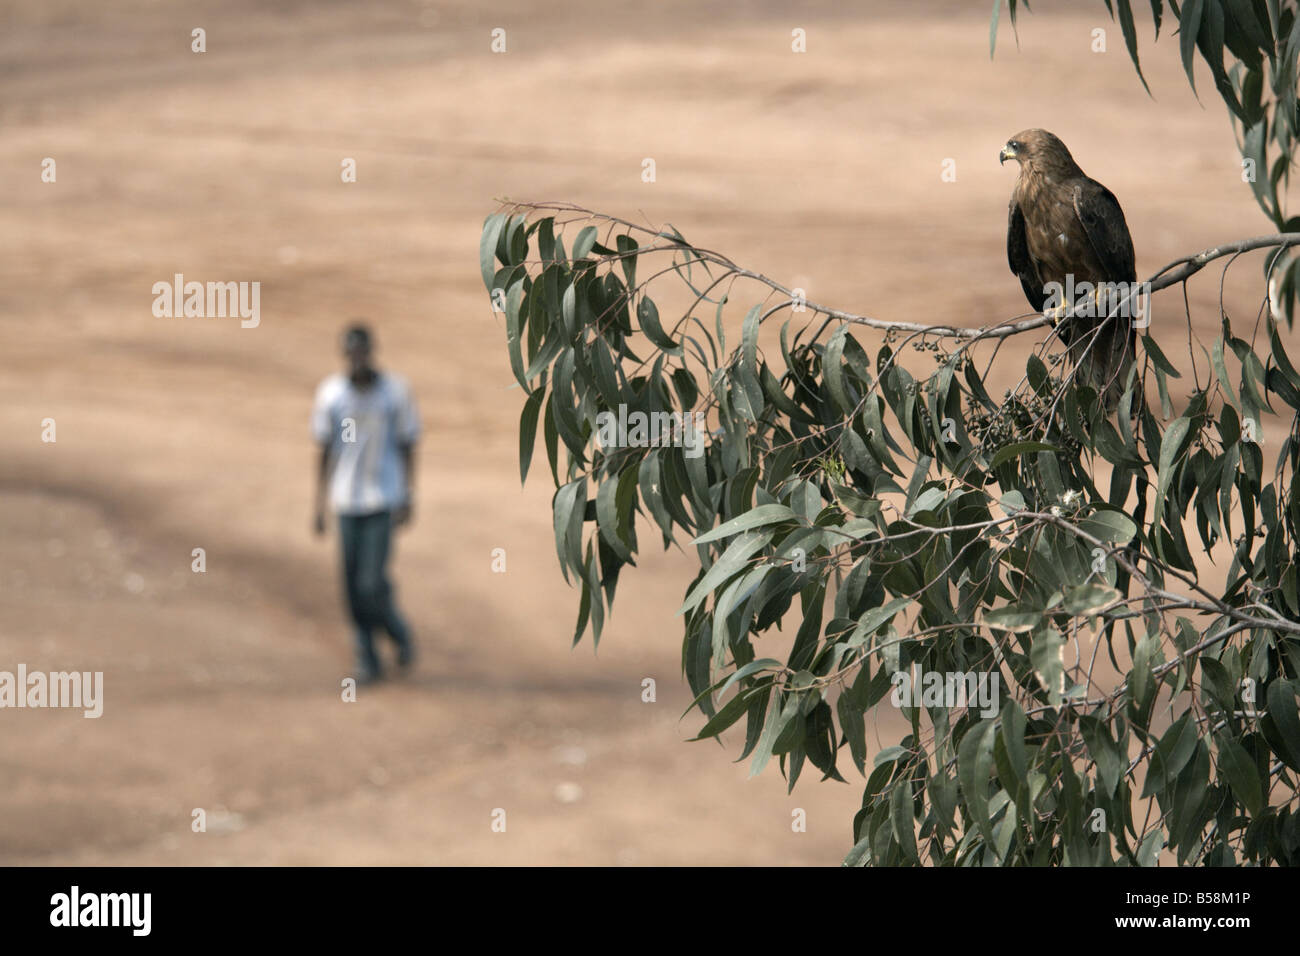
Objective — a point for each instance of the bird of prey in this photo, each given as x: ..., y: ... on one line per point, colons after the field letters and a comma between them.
x: 1064, y: 230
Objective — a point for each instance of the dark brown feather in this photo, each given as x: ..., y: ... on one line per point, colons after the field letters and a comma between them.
x: 1068, y: 229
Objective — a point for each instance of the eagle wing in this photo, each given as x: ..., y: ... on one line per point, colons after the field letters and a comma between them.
x: 1103, y: 223
x: 1018, y: 257
x: 1107, y: 366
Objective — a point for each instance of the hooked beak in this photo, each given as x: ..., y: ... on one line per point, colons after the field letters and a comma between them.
x: 1007, y: 153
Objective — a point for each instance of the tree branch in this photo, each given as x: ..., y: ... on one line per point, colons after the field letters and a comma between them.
x: 1175, y: 273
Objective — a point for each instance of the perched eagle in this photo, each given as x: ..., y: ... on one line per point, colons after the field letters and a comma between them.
x: 1067, y: 229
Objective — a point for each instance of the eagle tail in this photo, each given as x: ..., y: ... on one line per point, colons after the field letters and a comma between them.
x: 1104, y: 359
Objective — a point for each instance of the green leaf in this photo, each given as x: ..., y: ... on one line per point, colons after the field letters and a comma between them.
x: 1013, y: 742
x: 1283, y: 715
x: 551, y: 437
x: 607, y: 518
x: 914, y: 486
x: 1150, y: 847
x: 1111, y: 526
x: 1106, y: 754
x: 1158, y: 357
x: 1047, y: 655
x: 514, y: 242
x: 860, y: 855
x: 568, y: 308
x: 627, y: 248
x: 900, y: 812
x: 729, y: 562
x: 1085, y: 600
x: 584, y: 243
x: 1036, y: 372
x: 569, y: 506
x: 872, y: 620
x: 1241, y: 773
x: 592, y: 583
x: 777, y: 720
x: 735, y: 595
x: 1188, y: 27
x: 1170, y: 755
x: 928, y: 500
x: 859, y: 504
x: 514, y: 333
x: 1014, y: 618
x: 602, y: 369
x: 888, y: 755
x: 1281, y: 357
x: 853, y: 724
x: 1021, y: 448
x: 528, y: 432
x: 1221, y: 371
x: 546, y: 240
x: 1141, y: 682
x: 801, y: 680
x: 833, y: 370
x: 754, y: 518
x: 1170, y: 445
x: 648, y: 315
x: 753, y: 667
x: 730, y: 712
x: 747, y: 370
x: 1130, y: 38
x: 974, y: 761
x: 487, y: 246
x: 651, y: 485
x: 1252, y: 381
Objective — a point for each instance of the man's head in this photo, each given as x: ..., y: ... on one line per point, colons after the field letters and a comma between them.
x: 358, y: 348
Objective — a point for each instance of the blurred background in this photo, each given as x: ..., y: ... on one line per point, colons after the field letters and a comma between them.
x: 221, y: 689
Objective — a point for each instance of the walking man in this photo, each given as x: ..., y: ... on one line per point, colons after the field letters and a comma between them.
x: 366, y: 424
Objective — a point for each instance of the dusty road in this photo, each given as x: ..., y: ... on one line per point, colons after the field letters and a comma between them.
x: 222, y: 688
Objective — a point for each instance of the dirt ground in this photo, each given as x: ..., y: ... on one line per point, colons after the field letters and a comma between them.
x: 820, y: 169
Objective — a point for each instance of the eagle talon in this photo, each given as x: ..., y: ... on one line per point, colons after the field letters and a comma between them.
x: 1055, y: 315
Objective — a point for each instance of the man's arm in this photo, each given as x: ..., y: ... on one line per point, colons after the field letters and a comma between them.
x: 322, y: 480
x: 405, y: 510
x: 408, y: 433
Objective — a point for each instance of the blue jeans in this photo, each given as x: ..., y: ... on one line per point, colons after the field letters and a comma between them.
x: 369, y: 593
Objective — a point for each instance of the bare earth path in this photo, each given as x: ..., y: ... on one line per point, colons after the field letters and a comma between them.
x: 222, y: 688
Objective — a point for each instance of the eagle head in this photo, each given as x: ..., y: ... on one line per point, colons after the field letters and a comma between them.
x: 1037, y: 148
